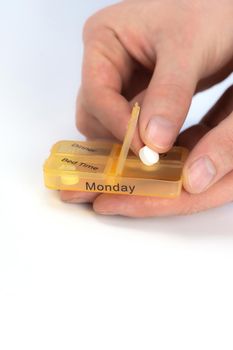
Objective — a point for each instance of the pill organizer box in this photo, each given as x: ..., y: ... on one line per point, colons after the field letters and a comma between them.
x: 101, y: 166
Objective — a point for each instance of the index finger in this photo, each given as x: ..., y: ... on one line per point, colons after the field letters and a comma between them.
x: 106, y: 69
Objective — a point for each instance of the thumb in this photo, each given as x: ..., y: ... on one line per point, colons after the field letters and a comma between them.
x: 167, y: 102
x: 211, y: 159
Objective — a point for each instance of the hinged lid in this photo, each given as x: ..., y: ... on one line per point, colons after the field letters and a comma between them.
x: 128, y: 139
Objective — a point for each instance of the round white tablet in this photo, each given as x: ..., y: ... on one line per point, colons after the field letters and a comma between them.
x: 148, y: 156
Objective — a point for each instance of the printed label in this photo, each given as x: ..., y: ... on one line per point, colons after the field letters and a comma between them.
x: 83, y: 148
x: 83, y: 166
x: 92, y: 186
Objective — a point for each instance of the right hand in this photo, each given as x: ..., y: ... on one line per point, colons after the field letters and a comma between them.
x: 159, y: 53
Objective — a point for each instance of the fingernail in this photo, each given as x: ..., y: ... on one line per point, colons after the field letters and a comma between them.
x: 200, y: 174
x: 160, y: 132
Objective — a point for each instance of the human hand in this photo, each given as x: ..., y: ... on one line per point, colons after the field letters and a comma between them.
x: 160, y: 53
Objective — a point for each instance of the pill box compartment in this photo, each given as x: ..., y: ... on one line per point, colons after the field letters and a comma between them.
x: 163, y: 179
x: 71, y: 162
x: 90, y: 166
x: 83, y: 148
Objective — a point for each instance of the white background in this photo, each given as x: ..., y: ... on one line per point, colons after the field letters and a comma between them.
x: 71, y: 279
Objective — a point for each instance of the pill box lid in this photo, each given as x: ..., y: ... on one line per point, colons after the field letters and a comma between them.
x: 128, y: 139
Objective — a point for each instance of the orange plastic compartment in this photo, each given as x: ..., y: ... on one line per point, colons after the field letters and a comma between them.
x: 100, y: 166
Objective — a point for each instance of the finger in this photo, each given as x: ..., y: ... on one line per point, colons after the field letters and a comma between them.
x: 106, y: 69
x: 87, y: 124
x: 90, y: 127
x: 78, y: 196
x: 211, y: 158
x: 167, y: 101
x: 187, y: 203
x: 137, y: 84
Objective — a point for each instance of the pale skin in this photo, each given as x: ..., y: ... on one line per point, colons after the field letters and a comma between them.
x: 160, y: 53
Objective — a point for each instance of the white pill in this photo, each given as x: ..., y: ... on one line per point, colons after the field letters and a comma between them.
x: 66, y: 178
x: 148, y: 156
x: 69, y: 180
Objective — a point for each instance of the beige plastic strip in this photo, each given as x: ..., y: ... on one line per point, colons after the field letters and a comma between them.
x: 128, y: 139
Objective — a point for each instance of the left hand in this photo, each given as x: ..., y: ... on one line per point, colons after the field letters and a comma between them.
x: 210, y: 184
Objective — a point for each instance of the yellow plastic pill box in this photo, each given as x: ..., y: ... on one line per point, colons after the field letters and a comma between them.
x: 101, y: 166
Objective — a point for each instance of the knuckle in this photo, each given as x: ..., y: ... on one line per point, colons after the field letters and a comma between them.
x: 96, y: 24
x: 82, y: 125
x: 87, y: 27
x: 93, y: 23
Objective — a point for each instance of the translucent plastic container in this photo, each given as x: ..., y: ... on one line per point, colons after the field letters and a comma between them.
x: 99, y: 166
